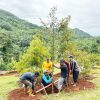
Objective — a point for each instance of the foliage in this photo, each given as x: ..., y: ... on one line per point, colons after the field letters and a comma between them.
x: 33, y: 58
x: 65, y: 35
x: 85, y: 60
x: 15, y: 37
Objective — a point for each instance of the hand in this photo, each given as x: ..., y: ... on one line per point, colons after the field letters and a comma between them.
x: 70, y: 72
x: 34, y: 92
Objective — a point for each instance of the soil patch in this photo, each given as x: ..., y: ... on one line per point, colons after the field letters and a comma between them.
x: 20, y: 94
x: 88, y: 77
x: 8, y: 73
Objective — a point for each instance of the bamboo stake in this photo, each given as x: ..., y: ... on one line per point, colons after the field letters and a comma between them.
x: 45, y: 87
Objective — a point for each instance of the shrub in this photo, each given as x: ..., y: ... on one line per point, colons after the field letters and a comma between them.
x: 34, y: 56
x: 3, y: 65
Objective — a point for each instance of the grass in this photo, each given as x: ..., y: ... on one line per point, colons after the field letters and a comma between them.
x: 8, y: 83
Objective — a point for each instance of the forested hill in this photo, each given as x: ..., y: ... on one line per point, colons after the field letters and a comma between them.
x: 81, y: 34
x: 11, y: 22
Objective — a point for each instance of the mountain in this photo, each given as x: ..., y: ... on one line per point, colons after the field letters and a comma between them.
x: 81, y: 34
x: 11, y: 22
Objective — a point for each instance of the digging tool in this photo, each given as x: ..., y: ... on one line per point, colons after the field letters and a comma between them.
x: 52, y: 79
x: 44, y: 89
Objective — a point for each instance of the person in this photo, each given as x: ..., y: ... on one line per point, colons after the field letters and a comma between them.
x: 68, y: 69
x: 46, y: 78
x: 28, y: 79
x: 47, y: 65
x: 63, y: 77
x: 74, y: 70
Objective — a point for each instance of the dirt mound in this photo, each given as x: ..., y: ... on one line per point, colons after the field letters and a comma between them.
x: 19, y: 94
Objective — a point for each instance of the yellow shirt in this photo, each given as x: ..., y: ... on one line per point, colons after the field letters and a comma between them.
x: 47, y: 66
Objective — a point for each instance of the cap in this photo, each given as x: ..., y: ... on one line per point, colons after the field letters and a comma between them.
x: 62, y: 60
x: 70, y: 56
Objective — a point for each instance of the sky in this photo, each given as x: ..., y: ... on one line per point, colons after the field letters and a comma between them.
x: 85, y: 14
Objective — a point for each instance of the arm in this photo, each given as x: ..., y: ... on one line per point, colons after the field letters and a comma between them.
x: 47, y: 80
x: 42, y: 66
x: 56, y: 66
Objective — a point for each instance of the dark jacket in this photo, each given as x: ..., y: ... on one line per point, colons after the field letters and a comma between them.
x: 68, y: 66
x: 64, y: 70
x: 74, y: 66
x: 28, y: 76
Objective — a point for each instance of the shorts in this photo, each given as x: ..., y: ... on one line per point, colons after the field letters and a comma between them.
x: 60, y: 82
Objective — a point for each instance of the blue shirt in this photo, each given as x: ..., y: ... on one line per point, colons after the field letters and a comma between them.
x: 47, y: 78
x: 28, y: 76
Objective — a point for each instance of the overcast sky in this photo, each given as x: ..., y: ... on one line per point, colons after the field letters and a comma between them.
x: 85, y: 14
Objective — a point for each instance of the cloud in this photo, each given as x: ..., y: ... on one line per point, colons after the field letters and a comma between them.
x: 85, y: 13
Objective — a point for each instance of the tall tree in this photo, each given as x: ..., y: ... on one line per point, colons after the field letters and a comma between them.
x: 65, y: 35
x: 50, y: 28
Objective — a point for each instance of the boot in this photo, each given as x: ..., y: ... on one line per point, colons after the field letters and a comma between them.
x: 25, y: 90
x: 30, y: 92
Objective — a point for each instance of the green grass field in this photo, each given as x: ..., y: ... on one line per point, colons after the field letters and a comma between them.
x: 8, y: 83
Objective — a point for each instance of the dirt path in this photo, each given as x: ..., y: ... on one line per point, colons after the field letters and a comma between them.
x: 8, y: 73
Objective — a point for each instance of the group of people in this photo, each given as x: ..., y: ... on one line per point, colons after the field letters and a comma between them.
x: 67, y: 68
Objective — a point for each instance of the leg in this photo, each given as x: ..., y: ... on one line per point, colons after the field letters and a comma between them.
x: 76, y: 76
x: 68, y: 79
x: 72, y: 81
x: 76, y: 73
x: 30, y: 86
x: 65, y: 81
x: 44, y: 90
x: 60, y: 83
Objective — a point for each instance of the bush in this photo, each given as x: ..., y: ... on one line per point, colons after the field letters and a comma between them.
x: 34, y: 56
x: 3, y: 65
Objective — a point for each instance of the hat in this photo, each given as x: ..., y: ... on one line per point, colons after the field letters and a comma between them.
x: 62, y: 60
x: 70, y: 56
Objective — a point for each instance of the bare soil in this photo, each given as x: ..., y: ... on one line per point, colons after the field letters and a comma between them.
x: 20, y: 94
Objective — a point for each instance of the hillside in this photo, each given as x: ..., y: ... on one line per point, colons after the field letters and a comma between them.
x: 11, y: 22
x: 15, y: 36
x: 81, y: 34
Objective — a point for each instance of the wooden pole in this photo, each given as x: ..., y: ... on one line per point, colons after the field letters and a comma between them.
x: 45, y: 87
x: 44, y: 90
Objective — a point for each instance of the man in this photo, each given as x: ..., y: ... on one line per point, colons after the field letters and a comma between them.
x: 68, y: 69
x: 28, y: 80
x: 46, y: 79
x: 74, y: 70
x: 64, y: 72
x: 47, y: 65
